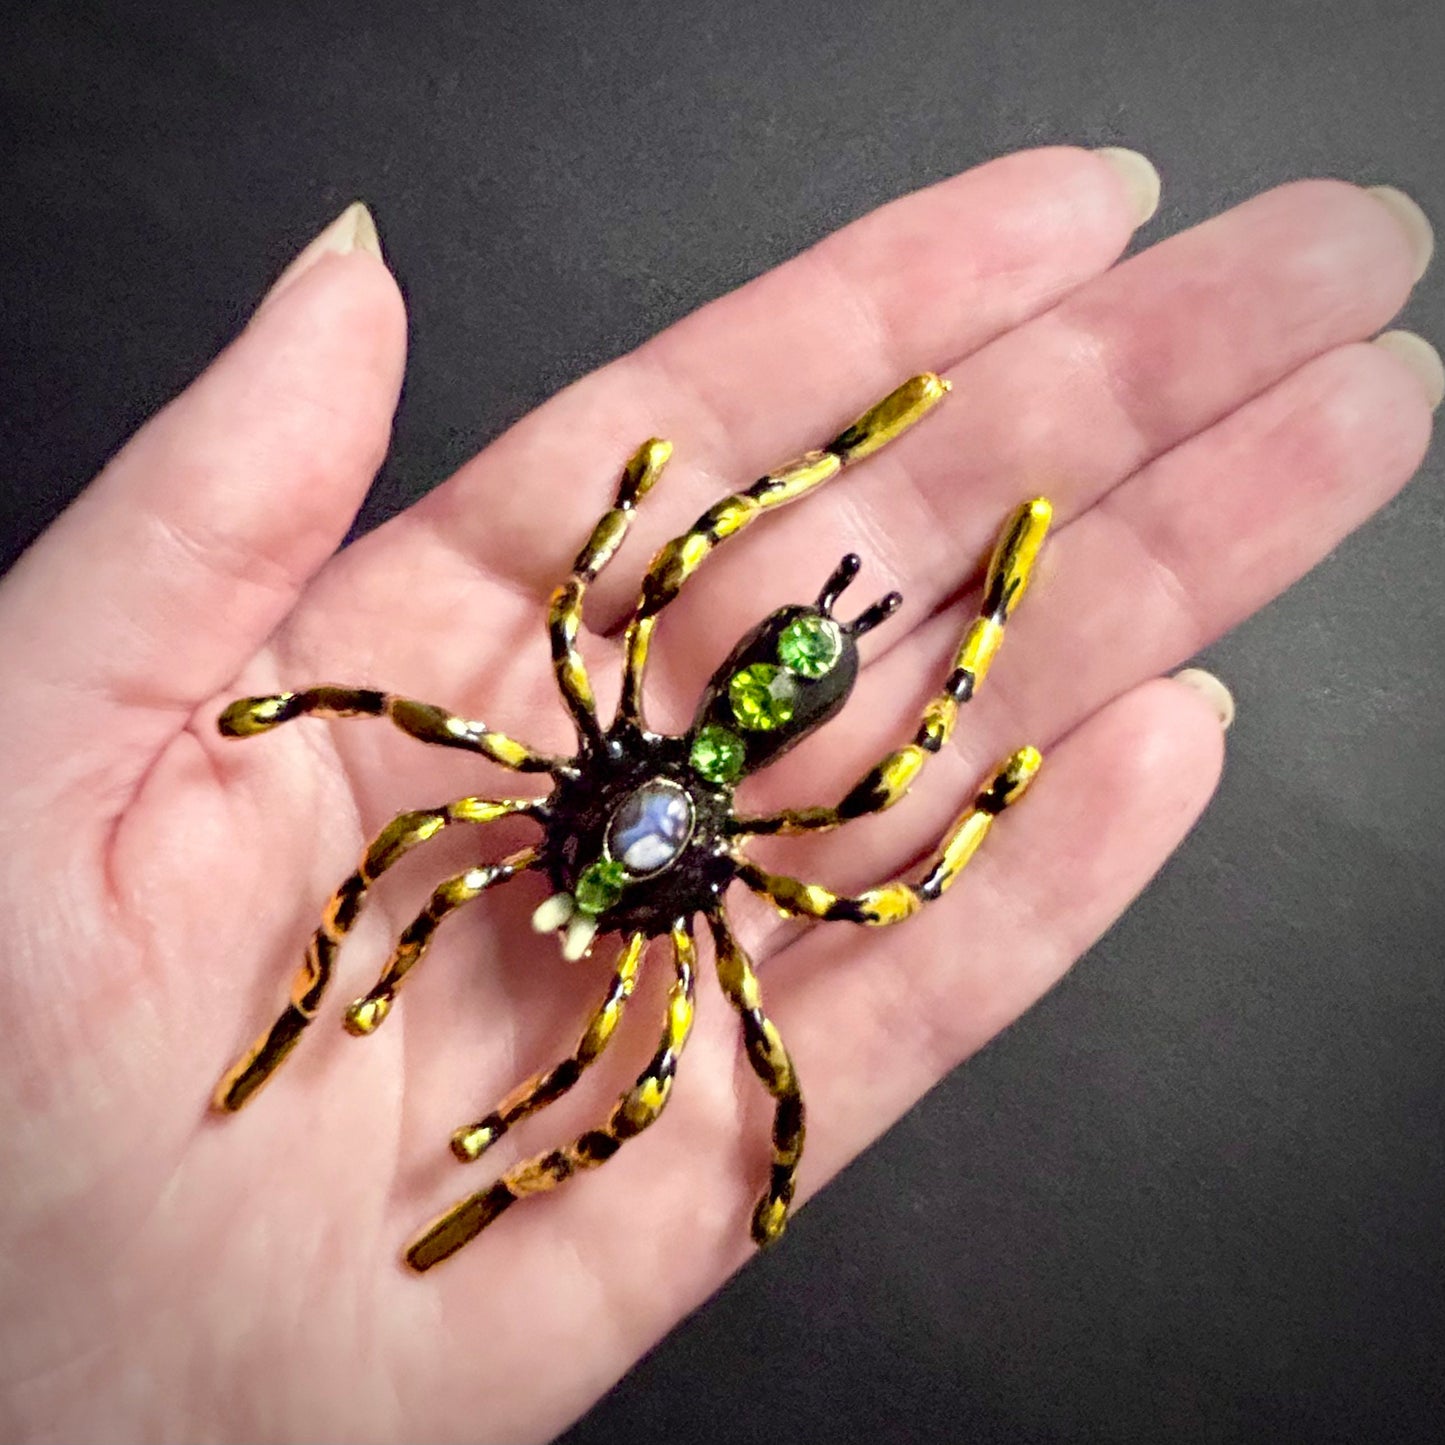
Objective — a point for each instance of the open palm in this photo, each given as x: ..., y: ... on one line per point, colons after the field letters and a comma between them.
x: 1208, y: 425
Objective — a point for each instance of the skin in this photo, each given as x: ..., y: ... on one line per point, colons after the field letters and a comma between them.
x: 1209, y: 424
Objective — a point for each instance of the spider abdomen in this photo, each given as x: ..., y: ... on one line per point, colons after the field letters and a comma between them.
x: 785, y: 679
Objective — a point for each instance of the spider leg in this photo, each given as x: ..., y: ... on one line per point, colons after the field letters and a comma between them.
x: 888, y: 781
x: 893, y: 901
x: 772, y: 1064
x: 565, y: 615
x: 634, y: 1111
x: 542, y: 1089
x: 680, y: 558
x: 367, y: 1013
x: 398, y: 838
x: 248, y: 716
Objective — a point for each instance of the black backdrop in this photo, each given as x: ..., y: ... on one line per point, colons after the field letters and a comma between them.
x: 1197, y: 1193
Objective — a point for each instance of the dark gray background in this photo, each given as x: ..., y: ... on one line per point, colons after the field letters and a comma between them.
x: 1196, y: 1194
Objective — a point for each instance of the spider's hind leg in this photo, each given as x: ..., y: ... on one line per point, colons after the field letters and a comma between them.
x: 772, y: 1064
x: 634, y: 1111
x: 398, y: 838
x: 473, y: 1140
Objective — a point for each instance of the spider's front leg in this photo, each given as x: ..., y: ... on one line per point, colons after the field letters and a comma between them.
x: 399, y: 837
x: 424, y: 721
x: 564, y: 618
x: 634, y: 1111
x: 772, y: 1064
x: 678, y: 559
x: 898, y: 899
x: 888, y: 781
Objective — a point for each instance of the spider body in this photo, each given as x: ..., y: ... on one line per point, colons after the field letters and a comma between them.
x: 641, y: 833
x: 640, y: 836
x: 582, y: 814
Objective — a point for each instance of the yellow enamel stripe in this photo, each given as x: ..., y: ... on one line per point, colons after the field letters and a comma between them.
x: 788, y: 895
x: 980, y: 645
x: 601, y: 1026
x: 891, y: 903
x: 504, y: 750
x: 1012, y: 563
x: 734, y: 970
x: 795, y: 480
x: 777, y: 1056
x: 959, y: 846
x: 902, y: 408
x: 602, y: 545
x: 938, y: 721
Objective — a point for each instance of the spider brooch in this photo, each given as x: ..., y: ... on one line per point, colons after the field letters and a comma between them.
x: 639, y: 832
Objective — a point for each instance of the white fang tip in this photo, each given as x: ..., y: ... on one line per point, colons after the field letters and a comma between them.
x: 552, y: 914
x: 580, y: 933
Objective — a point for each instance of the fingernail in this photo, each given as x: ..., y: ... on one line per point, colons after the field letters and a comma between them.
x: 1140, y: 179
x: 1412, y: 220
x: 353, y: 230
x: 1421, y: 358
x: 1211, y: 690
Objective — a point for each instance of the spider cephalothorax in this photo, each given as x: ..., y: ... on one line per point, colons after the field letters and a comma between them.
x: 640, y: 833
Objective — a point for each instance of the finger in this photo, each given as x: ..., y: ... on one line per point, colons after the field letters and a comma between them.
x: 1169, y: 561
x: 1128, y: 366
x: 150, y: 591
x: 767, y: 370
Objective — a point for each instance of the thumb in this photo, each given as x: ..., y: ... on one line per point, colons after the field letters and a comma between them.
x: 148, y: 594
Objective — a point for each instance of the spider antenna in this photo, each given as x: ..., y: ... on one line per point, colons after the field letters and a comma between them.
x: 870, y: 617
x: 837, y: 584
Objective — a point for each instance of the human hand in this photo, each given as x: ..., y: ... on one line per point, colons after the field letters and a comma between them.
x: 1208, y: 427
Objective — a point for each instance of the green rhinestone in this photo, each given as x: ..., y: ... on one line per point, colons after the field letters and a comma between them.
x: 717, y: 754
x: 810, y: 645
x: 600, y: 886
x: 762, y: 696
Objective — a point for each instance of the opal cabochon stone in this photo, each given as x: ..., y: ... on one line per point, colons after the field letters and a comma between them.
x: 651, y: 828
